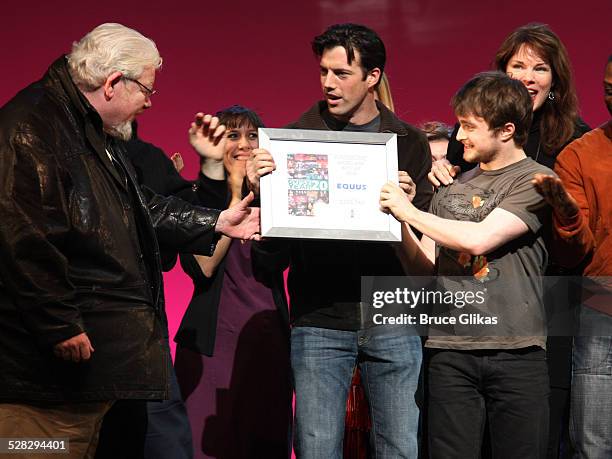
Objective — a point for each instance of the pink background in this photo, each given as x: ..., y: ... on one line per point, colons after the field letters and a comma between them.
x: 258, y: 54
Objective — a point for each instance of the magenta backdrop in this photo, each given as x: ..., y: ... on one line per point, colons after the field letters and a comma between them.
x: 258, y: 54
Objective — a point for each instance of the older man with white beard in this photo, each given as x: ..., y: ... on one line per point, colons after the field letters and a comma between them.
x: 81, y: 295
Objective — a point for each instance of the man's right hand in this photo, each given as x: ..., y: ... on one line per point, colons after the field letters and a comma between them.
x: 259, y: 164
x: 240, y: 221
x: 206, y: 137
x: 442, y: 172
x: 78, y: 348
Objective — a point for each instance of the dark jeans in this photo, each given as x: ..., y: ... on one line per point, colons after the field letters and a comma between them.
x: 509, y: 387
x: 168, y: 430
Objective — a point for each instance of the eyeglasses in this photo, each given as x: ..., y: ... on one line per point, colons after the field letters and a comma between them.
x: 147, y: 91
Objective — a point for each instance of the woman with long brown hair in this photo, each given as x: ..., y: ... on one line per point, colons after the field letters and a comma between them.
x: 535, y: 55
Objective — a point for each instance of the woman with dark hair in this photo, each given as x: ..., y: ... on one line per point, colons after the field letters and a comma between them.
x: 232, y: 358
x: 534, y: 55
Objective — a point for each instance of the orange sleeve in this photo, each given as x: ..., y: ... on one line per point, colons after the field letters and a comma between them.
x: 572, y: 241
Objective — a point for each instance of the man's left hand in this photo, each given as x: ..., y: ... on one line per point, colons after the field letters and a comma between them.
x: 395, y: 201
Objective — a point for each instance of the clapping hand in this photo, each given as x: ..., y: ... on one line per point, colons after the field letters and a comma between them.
x: 206, y: 137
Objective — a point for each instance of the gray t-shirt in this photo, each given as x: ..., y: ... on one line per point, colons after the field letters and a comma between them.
x: 511, y: 274
x: 370, y: 126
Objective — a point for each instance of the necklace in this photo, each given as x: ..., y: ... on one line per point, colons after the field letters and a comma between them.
x: 538, y: 152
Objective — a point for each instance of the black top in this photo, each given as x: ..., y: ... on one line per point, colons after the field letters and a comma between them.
x: 154, y: 169
x: 199, y: 324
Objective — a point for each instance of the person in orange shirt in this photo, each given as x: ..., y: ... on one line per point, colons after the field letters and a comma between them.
x: 582, y: 222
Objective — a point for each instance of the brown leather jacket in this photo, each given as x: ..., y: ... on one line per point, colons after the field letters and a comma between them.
x: 79, y: 252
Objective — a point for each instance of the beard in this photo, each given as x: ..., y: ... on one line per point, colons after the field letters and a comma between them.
x: 121, y: 131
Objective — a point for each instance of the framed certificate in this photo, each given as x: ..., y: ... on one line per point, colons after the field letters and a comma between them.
x: 327, y: 185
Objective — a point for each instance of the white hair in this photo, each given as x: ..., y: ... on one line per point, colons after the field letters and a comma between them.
x: 109, y: 48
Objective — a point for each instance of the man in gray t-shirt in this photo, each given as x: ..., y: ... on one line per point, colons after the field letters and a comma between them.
x: 511, y: 274
x: 487, y: 227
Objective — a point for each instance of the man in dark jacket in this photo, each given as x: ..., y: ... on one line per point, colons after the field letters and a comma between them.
x: 331, y: 331
x: 81, y: 295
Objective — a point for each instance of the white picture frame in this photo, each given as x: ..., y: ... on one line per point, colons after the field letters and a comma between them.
x: 327, y: 185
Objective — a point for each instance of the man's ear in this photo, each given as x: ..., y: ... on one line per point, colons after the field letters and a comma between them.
x: 109, y: 84
x: 506, y: 132
x: 373, y: 77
